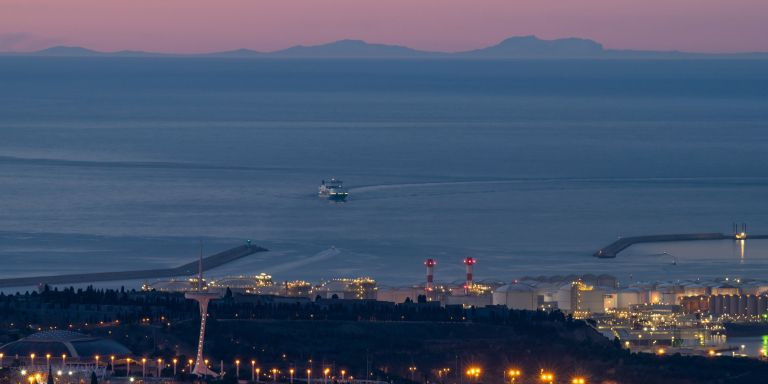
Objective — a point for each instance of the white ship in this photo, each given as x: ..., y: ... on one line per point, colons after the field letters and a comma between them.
x: 333, y: 190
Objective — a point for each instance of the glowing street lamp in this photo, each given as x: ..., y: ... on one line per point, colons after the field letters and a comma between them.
x: 112, y: 363
x: 64, y: 361
x: 579, y: 380
x: 128, y: 366
x: 175, y: 363
x: 547, y: 377
x: 258, y: 373
x: 343, y: 373
x: 48, y: 361
x: 253, y: 370
x: 309, y: 376
x: 290, y: 372
x: 514, y: 374
x: 237, y: 369
x: 143, y: 367
x: 159, y: 367
x: 97, y: 360
x: 1, y: 359
x: 474, y: 373
x: 32, y: 359
x: 325, y: 374
x: 274, y: 375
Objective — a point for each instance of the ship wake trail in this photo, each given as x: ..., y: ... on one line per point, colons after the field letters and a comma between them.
x: 385, y: 187
x: 320, y: 256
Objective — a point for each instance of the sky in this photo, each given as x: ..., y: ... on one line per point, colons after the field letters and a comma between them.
x: 190, y: 26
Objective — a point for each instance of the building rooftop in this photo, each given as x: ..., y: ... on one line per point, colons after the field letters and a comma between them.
x: 57, y: 343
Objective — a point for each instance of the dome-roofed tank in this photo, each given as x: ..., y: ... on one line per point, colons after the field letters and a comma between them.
x: 516, y: 296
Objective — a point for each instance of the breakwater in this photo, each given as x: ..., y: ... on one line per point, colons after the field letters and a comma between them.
x: 613, y: 249
x: 187, y: 269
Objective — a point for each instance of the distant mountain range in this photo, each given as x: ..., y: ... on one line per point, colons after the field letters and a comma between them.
x: 520, y: 47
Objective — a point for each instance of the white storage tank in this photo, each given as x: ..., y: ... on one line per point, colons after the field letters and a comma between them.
x: 627, y: 297
x: 516, y: 296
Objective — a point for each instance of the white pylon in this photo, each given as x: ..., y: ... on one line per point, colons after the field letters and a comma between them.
x: 203, y: 298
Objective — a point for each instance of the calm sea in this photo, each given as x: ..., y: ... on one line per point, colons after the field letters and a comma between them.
x: 529, y: 166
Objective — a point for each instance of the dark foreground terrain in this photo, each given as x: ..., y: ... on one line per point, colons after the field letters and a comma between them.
x: 409, y: 342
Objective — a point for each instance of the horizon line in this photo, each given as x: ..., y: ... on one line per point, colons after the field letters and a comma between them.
x: 369, y: 43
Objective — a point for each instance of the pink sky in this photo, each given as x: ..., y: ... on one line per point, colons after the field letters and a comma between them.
x: 446, y: 25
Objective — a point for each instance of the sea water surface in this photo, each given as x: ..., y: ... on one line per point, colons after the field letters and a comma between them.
x: 529, y: 166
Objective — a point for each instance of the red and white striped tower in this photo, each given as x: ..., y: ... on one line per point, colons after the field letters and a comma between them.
x: 430, y: 287
x: 469, y: 262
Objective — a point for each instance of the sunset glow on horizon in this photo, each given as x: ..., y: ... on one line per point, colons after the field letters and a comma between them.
x: 193, y: 26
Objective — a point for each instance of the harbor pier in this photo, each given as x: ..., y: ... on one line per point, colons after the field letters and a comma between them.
x: 611, y: 250
x: 187, y: 269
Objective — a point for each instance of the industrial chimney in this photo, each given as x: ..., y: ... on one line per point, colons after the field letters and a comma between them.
x: 469, y: 262
x: 430, y: 287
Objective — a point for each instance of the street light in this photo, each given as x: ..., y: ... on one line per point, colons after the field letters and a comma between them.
x: 253, y: 370
x: 48, y: 361
x: 143, y: 367
x: 412, y: 369
x: 159, y: 367
x: 97, y: 361
x: 514, y: 374
x: 474, y: 373
x: 175, y: 362
x: 32, y: 359
x: 343, y: 373
x: 290, y: 371
x: 325, y: 375
x: 274, y: 375
x: 128, y: 366
x: 547, y: 377
x: 309, y: 376
x: 237, y: 369
x: 1, y: 360
x: 258, y: 373
x: 64, y: 361
x: 112, y: 363
x: 579, y: 380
